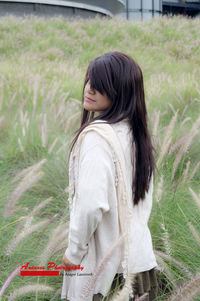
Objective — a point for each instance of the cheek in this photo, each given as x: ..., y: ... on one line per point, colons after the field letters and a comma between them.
x: 105, y: 104
x: 108, y: 102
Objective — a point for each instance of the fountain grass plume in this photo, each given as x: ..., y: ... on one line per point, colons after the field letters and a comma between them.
x: 51, y: 220
x: 52, y: 145
x: 56, y: 237
x: 20, y: 145
x: 26, y: 289
x: 159, y: 190
x: 26, y: 231
x: 57, y: 293
x: 89, y: 287
x: 25, y: 171
x: 184, y: 121
x: 9, y: 279
x: 172, y: 259
x: 166, y: 240
x: 27, y: 182
x: 194, y: 232
x: 180, y: 141
x: 44, y: 129
x: 184, y: 147
x: 141, y: 298
x: 23, y: 219
x: 194, y: 171
x: 167, y: 138
x: 165, y: 269
x: 156, y: 124
x: 39, y: 206
x: 127, y: 289
x: 185, y: 172
x: 188, y: 290
x: 36, y: 85
x: 195, y: 197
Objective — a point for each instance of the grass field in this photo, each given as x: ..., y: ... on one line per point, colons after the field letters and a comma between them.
x: 42, y: 67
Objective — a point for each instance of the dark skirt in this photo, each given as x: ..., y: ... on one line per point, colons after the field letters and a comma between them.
x: 144, y: 282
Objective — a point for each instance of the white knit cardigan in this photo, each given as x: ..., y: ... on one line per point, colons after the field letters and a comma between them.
x: 125, y: 212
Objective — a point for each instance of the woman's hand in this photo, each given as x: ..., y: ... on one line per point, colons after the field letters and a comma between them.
x: 66, y: 262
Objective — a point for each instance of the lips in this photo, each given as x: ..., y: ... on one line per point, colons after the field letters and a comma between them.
x: 87, y: 98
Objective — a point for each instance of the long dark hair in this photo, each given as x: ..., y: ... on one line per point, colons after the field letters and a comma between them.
x: 119, y: 77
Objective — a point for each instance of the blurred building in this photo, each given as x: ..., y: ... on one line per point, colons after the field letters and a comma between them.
x: 70, y: 9
x: 141, y: 9
x: 189, y: 8
x: 148, y: 9
x: 128, y: 9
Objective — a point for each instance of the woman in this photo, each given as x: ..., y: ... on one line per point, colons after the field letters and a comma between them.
x: 113, y: 89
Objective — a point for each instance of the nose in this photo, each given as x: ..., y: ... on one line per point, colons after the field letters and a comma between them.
x: 90, y: 90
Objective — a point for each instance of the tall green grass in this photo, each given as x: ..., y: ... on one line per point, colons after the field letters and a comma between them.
x: 42, y: 67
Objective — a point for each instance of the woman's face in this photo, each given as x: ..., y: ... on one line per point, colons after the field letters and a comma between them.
x: 98, y: 102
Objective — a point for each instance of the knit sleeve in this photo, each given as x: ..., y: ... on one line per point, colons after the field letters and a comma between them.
x: 96, y: 174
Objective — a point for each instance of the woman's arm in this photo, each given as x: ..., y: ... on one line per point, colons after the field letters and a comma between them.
x: 66, y: 262
x: 96, y: 175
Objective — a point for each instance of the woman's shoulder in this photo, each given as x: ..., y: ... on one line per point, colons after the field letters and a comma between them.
x: 122, y: 127
x: 91, y: 140
x: 94, y: 137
